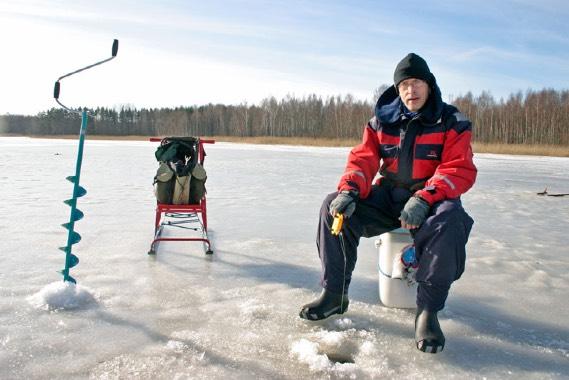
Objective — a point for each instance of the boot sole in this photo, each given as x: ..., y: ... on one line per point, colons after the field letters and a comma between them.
x: 304, y: 314
x: 430, y: 347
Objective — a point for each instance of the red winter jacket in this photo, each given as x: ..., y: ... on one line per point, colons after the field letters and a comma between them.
x: 430, y: 152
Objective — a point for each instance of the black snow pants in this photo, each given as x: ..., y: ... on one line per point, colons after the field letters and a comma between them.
x: 439, y: 242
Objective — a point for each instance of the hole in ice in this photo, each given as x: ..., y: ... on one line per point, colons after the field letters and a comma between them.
x: 340, y: 358
x: 325, y: 356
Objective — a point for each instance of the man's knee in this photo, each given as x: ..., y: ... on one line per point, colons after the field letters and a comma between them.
x: 448, y: 217
x: 447, y: 208
x: 441, y: 243
x: 329, y: 198
x: 326, y: 203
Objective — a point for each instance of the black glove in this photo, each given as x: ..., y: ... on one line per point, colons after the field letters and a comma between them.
x: 344, y: 203
x: 415, y: 212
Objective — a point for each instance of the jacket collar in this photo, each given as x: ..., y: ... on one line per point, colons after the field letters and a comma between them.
x: 389, y: 106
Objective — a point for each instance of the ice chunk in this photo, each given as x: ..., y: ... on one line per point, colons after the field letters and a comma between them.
x: 331, y: 338
x: 344, y: 323
x: 307, y: 352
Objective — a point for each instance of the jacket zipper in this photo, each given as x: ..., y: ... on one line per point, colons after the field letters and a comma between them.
x: 402, y: 134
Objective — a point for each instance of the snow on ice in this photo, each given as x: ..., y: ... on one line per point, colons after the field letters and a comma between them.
x: 182, y: 314
x: 62, y: 295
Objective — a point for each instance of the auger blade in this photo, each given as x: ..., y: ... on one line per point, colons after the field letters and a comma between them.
x: 80, y: 192
x: 74, y: 237
x: 73, y: 260
x: 77, y: 215
x: 68, y: 278
x: 71, y: 178
x: 70, y: 202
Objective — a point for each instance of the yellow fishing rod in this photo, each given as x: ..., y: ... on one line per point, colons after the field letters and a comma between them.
x: 336, y: 230
x: 337, y: 224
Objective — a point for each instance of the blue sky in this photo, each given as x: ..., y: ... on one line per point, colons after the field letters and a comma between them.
x: 176, y: 53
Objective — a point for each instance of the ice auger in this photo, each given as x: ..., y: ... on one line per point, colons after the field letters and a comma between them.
x: 78, y: 191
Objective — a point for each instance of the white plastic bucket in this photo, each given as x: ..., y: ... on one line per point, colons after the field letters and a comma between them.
x: 394, y: 292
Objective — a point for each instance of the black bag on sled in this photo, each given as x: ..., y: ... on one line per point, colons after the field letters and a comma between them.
x: 180, y: 178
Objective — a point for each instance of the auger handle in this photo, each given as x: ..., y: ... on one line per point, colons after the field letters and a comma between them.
x: 56, y: 90
x: 115, y: 48
x: 57, y: 86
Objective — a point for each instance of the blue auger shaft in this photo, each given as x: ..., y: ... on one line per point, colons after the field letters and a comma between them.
x: 73, y: 237
x: 69, y: 259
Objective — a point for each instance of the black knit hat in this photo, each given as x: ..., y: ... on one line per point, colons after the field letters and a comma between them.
x: 412, y: 66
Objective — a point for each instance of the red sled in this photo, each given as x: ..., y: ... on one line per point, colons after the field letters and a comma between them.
x: 187, y: 217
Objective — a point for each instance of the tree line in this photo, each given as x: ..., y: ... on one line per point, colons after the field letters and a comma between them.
x: 536, y: 117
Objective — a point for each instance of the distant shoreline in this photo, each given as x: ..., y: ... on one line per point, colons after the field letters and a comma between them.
x: 516, y: 149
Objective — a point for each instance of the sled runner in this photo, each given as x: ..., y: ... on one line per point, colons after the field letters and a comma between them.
x: 179, y: 186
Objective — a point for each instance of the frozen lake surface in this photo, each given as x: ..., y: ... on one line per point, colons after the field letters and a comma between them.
x: 234, y: 315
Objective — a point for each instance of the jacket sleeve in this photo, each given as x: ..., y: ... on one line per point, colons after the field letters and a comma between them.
x: 363, y: 163
x: 456, y: 173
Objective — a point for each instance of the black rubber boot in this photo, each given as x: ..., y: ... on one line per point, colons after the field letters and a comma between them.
x: 328, y: 304
x: 428, y: 334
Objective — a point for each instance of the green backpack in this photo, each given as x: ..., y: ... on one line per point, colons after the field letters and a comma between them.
x: 180, y: 178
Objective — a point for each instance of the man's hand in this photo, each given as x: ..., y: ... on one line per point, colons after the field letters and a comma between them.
x: 414, y: 213
x: 344, y: 203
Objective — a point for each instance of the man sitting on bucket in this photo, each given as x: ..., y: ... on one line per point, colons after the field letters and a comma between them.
x: 421, y: 147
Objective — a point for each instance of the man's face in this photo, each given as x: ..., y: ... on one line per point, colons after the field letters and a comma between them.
x: 414, y: 93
